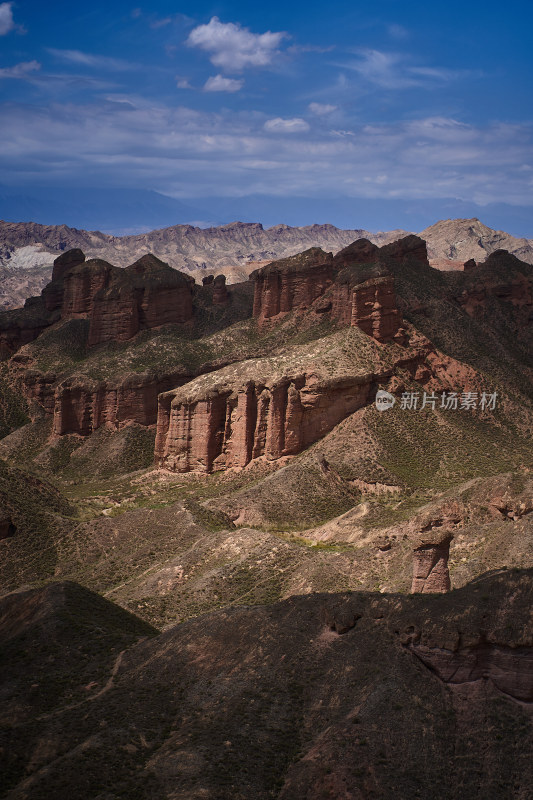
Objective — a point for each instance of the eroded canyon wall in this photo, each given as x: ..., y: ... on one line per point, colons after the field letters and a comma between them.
x: 117, y: 302
x: 292, y: 283
x: 229, y: 428
x: 80, y: 405
x: 352, y: 293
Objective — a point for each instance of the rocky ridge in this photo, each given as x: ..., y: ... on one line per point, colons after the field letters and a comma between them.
x: 234, y: 249
x: 465, y: 239
x: 263, y: 408
x: 116, y: 302
x: 266, y: 408
x: 277, y: 479
x: 184, y: 246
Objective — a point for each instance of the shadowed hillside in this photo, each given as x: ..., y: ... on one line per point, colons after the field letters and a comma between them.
x: 341, y: 695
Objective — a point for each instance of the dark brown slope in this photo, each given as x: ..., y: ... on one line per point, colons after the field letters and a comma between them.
x: 329, y: 696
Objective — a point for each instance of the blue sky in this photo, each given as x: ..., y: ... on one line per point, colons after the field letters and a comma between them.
x: 412, y: 104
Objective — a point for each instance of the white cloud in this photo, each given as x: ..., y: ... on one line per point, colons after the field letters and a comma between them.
x: 279, y: 125
x: 438, y: 73
x: 382, y: 68
x: 7, y: 23
x: 190, y: 153
x: 160, y: 23
x: 128, y: 100
x: 233, y: 47
x: 321, y: 109
x: 393, y: 71
x: 397, y: 31
x: 22, y: 70
x: 441, y: 129
x: 298, y: 49
x: 90, y: 60
x: 182, y: 83
x: 217, y: 83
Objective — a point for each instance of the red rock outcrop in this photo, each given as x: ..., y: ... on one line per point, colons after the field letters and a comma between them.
x: 370, y: 306
x: 66, y: 261
x: 352, y: 293
x: 374, y: 309
x: 19, y: 329
x: 517, y: 291
x: 231, y: 427
x: 359, y: 252
x: 292, y: 283
x: 409, y: 249
x: 510, y: 669
x: 81, y: 285
x: 220, y: 292
x: 81, y: 405
x: 430, y: 565
x: 268, y: 408
x: 117, y: 302
x: 38, y: 389
x: 501, y: 277
x: 145, y: 295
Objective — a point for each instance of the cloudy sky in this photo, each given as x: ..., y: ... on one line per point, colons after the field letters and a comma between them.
x: 404, y: 104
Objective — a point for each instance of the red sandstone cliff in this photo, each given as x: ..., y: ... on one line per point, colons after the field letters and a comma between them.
x: 292, y: 283
x: 355, y: 287
x: 230, y: 428
x: 20, y: 329
x: 430, y: 566
x: 81, y: 405
x: 117, y: 302
x: 276, y: 407
x: 270, y: 415
x: 491, y: 280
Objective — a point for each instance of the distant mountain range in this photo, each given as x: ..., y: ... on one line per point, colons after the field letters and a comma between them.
x: 123, y: 211
x: 28, y: 249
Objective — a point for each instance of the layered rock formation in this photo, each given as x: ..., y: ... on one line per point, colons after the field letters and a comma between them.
x: 430, y: 566
x: 81, y: 405
x: 120, y: 302
x: 374, y: 309
x: 509, y: 669
x: 117, y: 302
x: 21, y: 327
x: 264, y: 410
x: 230, y: 427
x: 491, y: 280
x: 354, y: 286
x: 67, y: 261
x: 276, y: 407
x: 466, y: 239
x: 292, y: 283
x: 220, y: 292
x: 184, y: 246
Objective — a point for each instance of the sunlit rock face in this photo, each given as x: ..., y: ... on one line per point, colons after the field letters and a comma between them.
x: 355, y: 286
x: 292, y: 283
x: 230, y: 427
